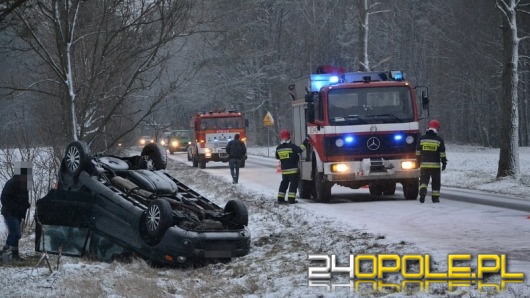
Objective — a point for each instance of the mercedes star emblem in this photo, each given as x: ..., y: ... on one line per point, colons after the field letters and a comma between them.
x: 373, y: 143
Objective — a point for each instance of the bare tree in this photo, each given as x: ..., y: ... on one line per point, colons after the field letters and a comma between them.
x: 366, y: 8
x: 106, y: 62
x: 509, y: 147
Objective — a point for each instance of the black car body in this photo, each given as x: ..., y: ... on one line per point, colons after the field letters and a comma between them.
x: 108, y: 205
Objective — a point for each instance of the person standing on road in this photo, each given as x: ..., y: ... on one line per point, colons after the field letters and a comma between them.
x: 430, y: 151
x: 288, y: 154
x: 237, y: 151
x: 15, y: 203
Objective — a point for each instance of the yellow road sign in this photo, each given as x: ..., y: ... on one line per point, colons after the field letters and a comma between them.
x: 268, y: 120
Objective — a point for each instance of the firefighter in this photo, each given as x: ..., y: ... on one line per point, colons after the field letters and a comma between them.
x: 288, y: 154
x: 430, y: 151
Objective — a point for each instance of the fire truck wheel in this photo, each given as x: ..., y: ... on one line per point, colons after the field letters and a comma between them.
x: 202, y: 162
x: 389, y: 189
x: 322, y: 188
x: 410, y: 189
x: 304, y: 188
x: 375, y: 190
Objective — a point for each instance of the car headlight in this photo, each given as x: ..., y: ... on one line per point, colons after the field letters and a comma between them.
x: 142, y: 142
x: 339, y: 168
x: 408, y: 165
x: 174, y: 143
x: 162, y: 142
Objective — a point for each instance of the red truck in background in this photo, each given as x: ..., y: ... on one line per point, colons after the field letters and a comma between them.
x: 363, y: 128
x: 211, y: 132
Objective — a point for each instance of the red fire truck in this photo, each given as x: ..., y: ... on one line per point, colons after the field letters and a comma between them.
x: 363, y: 129
x: 211, y: 132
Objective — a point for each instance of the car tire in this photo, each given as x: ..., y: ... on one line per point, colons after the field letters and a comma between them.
x: 76, y: 158
x: 158, y: 218
x: 236, y: 213
x: 156, y: 154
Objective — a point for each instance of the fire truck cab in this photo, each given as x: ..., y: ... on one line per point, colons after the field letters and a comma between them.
x: 211, y: 132
x: 362, y: 128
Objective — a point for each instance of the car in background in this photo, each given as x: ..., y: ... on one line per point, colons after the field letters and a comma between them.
x: 107, y: 206
x: 179, y: 140
x: 144, y: 140
x: 164, y: 140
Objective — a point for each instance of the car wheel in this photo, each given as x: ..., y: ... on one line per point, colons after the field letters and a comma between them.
x: 236, y: 213
x: 156, y: 154
x: 158, y: 218
x: 76, y: 158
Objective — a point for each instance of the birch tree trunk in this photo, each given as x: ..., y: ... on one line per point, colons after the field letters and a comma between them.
x: 509, y: 146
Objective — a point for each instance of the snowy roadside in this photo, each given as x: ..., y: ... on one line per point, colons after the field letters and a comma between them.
x: 276, y: 266
x: 471, y: 167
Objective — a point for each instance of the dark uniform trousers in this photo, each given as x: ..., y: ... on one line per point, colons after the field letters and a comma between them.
x: 425, y: 176
x: 288, y: 181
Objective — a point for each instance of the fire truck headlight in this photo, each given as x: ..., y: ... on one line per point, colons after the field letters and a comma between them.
x: 409, y: 140
x: 339, y: 168
x: 339, y: 143
x: 207, y: 152
x: 408, y: 165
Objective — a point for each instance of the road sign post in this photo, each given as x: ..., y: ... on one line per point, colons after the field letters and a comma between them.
x: 268, y: 121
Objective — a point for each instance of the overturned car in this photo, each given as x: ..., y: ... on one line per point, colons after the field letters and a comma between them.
x: 105, y: 206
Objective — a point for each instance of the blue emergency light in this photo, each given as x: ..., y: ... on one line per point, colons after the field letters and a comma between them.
x: 398, y: 137
x: 320, y: 80
x: 349, y: 139
x: 397, y: 75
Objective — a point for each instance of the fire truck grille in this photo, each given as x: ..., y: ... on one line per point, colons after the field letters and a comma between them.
x: 370, y: 145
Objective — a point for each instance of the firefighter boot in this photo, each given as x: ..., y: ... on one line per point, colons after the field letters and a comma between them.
x: 435, y: 199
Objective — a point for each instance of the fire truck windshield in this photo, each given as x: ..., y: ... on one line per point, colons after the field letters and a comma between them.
x: 370, y: 105
x: 222, y: 123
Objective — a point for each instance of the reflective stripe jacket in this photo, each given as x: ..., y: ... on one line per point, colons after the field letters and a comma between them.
x: 288, y: 154
x: 430, y: 151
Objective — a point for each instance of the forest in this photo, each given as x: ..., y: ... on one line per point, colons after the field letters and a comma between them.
x: 106, y: 71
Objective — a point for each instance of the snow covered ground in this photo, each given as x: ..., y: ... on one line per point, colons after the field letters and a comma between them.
x: 277, y: 265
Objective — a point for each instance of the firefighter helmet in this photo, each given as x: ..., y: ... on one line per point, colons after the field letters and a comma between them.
x: 434, y: 124
x: 285, y: 135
